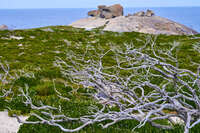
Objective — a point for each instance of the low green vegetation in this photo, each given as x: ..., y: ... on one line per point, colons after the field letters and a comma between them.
x: 35, y: 52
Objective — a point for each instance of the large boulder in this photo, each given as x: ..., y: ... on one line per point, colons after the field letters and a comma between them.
x: 106, y: 15
x: 145, y: 24
x: 116, y: 10
x: 3, y: 27
x: 107, y: 11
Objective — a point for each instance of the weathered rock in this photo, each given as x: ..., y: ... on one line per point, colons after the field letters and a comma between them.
x: 145, y: 22
x: 149, y: 13
x: 107, y: 12
x: 151, y: 25
x: 116, y: 10
x: 89, y: 23
x: 3, y: 27
x: 10, y: 124
x: 106, y: 15
x: 139, y: 14
x: 129, y: 15
x: 93, y: 13
x: 101, y: 6
x: 48, y: 30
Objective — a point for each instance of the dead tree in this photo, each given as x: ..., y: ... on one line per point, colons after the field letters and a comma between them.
x: 8, y: 78
x: 5, y: 78
x: 146, y: 84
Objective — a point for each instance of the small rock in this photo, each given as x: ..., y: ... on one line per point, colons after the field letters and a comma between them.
x: 149, y: 13
x: 3, y: 27
x: 139, y: 14
x: 16, y: 37
x: 40, y: 54
x: 129, y: 15
x: 48, y: 30
x: 20, y: 45
x: 32, y: 37
x: 57, y: 52
x: 67, y: 42
x: 5, y: 38
x: 177, y: 120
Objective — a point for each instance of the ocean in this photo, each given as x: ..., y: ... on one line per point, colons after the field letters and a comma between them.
x: 33, y: 18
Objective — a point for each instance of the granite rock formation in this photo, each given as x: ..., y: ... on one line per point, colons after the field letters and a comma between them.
x: 144, y: 22
x: 139, y: 14
x: 148, y: 13
x: 107, y: 11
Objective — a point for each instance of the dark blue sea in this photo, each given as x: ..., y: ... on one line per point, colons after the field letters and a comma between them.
x: 32, y: 18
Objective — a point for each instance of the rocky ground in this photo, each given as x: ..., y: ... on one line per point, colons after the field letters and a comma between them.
x: 151, y: 25
x: 9, y: 124
x: 111, y: 18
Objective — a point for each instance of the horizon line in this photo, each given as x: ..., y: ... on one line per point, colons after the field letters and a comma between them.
x: 96, y: 7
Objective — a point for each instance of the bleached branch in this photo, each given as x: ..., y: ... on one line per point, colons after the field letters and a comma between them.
x: 145, y: 85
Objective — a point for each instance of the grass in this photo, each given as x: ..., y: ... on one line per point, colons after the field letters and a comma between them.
x: 37, y: 51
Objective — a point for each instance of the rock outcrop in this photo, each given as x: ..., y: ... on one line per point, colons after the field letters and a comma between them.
x: 139, y: 14
x: 107, y: 12
x: 144, y: 22
x: 93, y: 13
x: 3, y: 27
x: 148, y: 13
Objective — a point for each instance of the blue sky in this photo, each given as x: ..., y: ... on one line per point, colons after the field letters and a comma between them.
x: 10, y: 4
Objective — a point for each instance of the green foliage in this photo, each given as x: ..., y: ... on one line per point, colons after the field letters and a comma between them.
x: 44, y: 89
x: 12, y: 112
x: 120, y: 127
x: 123, y: 126
x: 37, y: 51
x: 2, y: 104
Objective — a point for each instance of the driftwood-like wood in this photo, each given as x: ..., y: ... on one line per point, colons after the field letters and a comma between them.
x: 135, y: 93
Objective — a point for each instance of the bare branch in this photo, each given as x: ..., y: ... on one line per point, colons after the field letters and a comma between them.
x: 145, y: 86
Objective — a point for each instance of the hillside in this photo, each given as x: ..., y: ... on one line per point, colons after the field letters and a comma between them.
x: 36, y: 50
